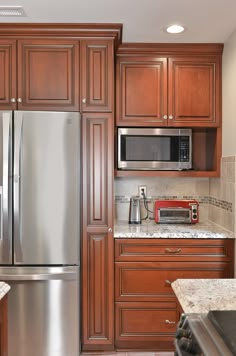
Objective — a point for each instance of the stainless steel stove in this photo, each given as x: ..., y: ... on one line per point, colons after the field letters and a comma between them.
x: 212, y: 334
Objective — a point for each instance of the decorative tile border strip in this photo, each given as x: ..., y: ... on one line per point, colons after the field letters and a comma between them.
x: 201, y: 199
x: 221, y: 204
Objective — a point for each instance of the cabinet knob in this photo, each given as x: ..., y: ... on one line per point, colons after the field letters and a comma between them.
x: 110, y: 229
x: 19, y: 100
x: 165, y: 117
x: 174, y: 250
x: 13, y: 100
x: 168, y: 282
x: 84, y: 101
x: 171, y: 117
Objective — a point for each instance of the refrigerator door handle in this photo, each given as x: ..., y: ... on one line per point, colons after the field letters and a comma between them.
x: 5, y: 208
x: 39, y: 276
x: 18, y: 126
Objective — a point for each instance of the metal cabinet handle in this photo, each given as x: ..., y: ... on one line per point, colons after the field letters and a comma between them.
x: 110, y: 229
x: 167, y: 281
x: 13, y: 100
x: 19, y: 100
x: 169, y: 322
x: 170, y: 117
x: 165, y: 117
x: 169, y: 250
x: 84, y: 101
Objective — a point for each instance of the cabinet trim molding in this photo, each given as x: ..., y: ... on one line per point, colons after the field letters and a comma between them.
x: 113, y: 31
x: 170, y: 48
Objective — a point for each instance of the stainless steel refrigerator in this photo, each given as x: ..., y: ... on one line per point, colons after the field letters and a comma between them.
x: 39, y: 230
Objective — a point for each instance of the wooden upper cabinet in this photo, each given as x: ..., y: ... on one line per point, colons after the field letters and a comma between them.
x: 97, y: 76
x: 7, y: 74
x: 141, y: 91
x: 168, y: 85
x: 48, y: 74
x: 194, y: 91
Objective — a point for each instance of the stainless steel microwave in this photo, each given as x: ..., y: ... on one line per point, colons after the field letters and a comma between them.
x: 154, y: 149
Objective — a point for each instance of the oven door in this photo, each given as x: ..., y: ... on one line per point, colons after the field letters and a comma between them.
x: 174, y: 215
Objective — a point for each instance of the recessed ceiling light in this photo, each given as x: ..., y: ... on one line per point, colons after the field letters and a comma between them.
x: 12, y: 11
x: 175, y: 28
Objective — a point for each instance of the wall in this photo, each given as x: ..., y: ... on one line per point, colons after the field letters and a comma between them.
x: 160, y: 188
x: 229, y: 96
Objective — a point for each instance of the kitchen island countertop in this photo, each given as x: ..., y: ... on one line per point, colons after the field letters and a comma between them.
x: 202, y: 295
x: 149, y: 229
x: 4, y: 289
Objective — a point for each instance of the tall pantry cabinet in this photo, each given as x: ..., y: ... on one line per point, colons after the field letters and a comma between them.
x: 70, y: 67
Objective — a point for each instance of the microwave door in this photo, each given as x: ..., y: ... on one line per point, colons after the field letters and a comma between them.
x: 144, y: 149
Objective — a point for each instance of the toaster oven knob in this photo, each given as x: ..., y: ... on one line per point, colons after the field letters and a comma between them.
x: 194, y: 216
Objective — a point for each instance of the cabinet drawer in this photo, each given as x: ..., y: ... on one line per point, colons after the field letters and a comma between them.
x: 174, y: 250
x: 148, y: 325
x: 149, y: 281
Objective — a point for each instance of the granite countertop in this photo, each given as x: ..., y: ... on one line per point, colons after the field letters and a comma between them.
x: 202, y: 295
x: 149, y: 229
x: 4, y: 288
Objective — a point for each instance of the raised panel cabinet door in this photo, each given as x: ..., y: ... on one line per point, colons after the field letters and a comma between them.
x: 98, y: 242
x: 98, y: 142
x: 97, y: 292
x: 7, y: 74
x: 141, y: 92
x: 48, y: 74
x: 97, y: 76
x: 194, y: 91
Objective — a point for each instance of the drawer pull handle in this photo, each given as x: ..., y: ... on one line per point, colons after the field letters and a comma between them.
x: 168, y: 282
x: 170, y: 250
x: 169, y: 322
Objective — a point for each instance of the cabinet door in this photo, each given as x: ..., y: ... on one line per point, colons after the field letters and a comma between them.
x: 98, y: 243
x: 7, y: 74
x: 194, y: 92
x: 141, y: 91
x: 97, y: 62
x: 48, y: 74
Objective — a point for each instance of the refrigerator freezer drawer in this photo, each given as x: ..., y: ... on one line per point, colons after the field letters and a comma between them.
x: 43, y: 314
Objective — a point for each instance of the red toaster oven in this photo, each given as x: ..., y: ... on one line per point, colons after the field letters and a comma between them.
x: 176, y: 211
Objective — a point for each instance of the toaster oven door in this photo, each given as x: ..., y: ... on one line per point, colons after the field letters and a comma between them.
x: 174, y: 215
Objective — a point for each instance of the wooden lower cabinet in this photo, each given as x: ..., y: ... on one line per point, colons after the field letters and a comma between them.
x: 146, y: 309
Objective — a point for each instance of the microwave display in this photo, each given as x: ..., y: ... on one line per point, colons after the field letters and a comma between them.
x: 157, y: 149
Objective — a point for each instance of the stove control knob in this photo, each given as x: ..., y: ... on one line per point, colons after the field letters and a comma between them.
x: 182, y: 333
x: 188, y: 345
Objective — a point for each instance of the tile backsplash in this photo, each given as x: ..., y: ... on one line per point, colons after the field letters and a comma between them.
x: 222, y: 195
x: 161, y: 188
x: 216, y: 196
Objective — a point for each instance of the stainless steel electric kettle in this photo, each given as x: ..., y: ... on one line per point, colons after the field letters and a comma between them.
x: 134, y: 211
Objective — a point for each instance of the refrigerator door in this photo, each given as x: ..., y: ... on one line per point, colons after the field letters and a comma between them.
x: 5, y: 187
x: 46, y: 188
x: 43, y: 311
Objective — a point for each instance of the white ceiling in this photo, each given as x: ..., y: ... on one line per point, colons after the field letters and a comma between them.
x: 143, y: 20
